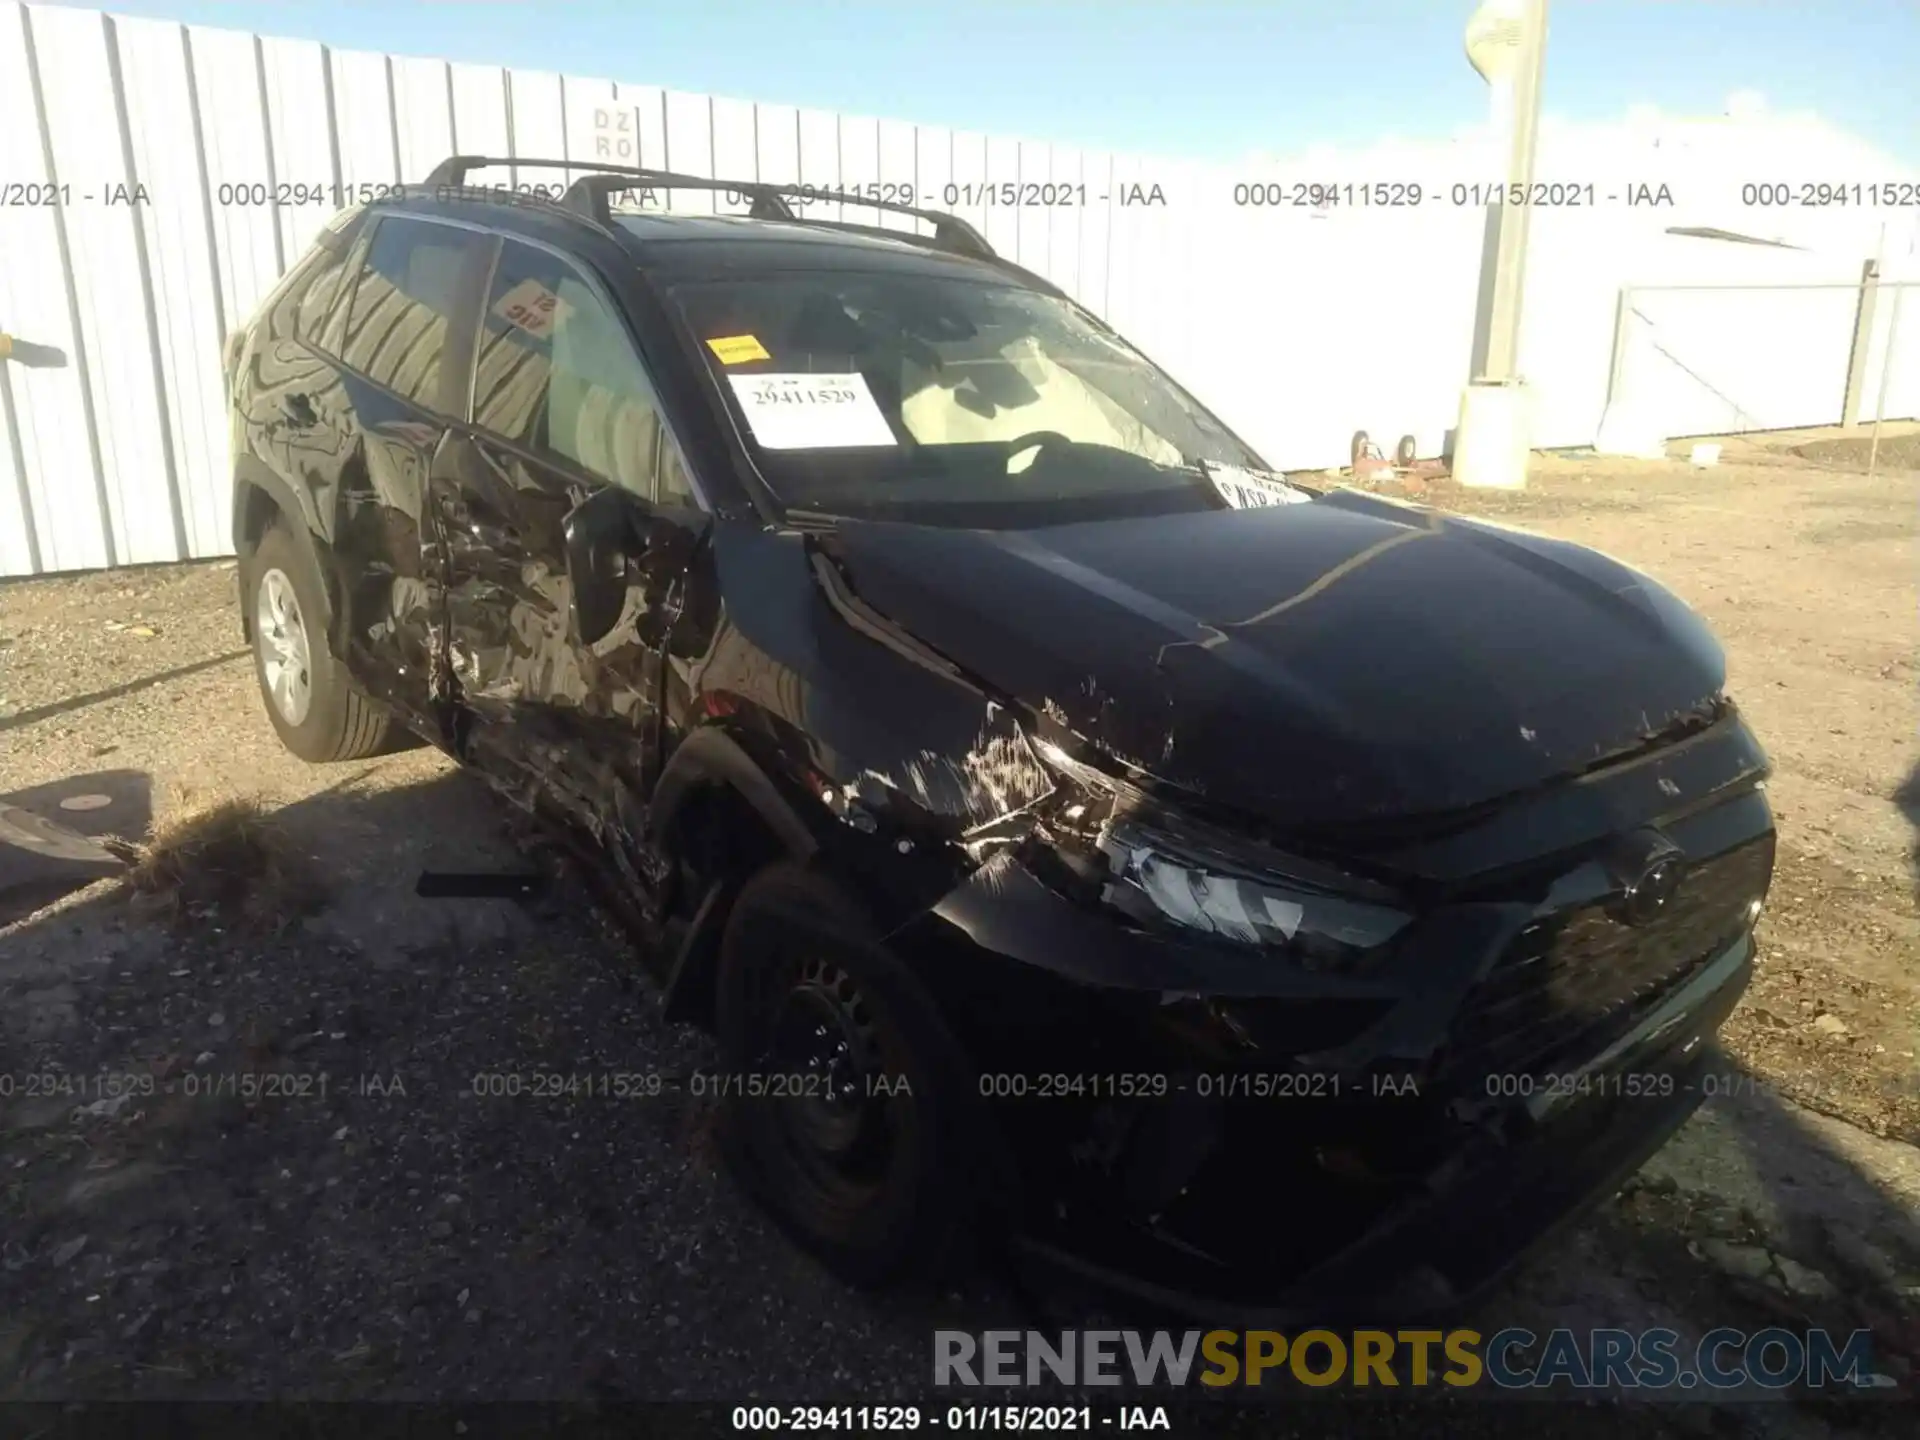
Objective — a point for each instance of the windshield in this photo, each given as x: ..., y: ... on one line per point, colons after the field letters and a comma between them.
x: 949, y: 401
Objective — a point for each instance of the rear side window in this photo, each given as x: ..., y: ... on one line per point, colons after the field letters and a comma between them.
x: 323, y: 268
x: 558, y: 373
x: 404, y: 302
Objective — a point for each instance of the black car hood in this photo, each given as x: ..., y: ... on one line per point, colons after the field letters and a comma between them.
x: 1338, y: 662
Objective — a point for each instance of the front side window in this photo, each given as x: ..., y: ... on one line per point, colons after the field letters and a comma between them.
x: 402, y: 304
x: 948, y: 400
x: 675, y: 487
x: 558, y: 373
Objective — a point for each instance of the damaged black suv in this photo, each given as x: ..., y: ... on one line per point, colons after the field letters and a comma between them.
x: 1249, y: 896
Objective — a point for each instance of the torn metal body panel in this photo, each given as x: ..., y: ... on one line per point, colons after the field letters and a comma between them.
x: 358, y: 461
x: 578, y: 721
x: 1500, y: 1027
x: 1193, y: 1066
x: 1317, y: 901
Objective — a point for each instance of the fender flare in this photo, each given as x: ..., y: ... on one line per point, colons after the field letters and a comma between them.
x: 251, y: 470
x: 711, y: 756
x: 250, y: 473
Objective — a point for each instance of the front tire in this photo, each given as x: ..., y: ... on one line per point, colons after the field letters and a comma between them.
x: 313, y: 705
x: 855, y: 1142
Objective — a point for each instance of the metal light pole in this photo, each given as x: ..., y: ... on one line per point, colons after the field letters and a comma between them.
x: 1506, y: 42
x: 1886, y: 357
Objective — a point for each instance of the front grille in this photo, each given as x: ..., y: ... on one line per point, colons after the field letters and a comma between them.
x: 1573, y: 983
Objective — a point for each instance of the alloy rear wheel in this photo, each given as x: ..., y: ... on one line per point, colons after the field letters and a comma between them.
x: 308, y: 695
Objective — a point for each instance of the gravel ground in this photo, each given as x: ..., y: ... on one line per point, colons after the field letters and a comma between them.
x: 311, y: 1195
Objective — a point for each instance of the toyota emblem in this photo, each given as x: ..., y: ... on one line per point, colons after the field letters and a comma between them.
x: 1649, y: 869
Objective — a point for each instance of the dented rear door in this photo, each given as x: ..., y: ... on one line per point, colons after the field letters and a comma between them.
x: 400, y: 383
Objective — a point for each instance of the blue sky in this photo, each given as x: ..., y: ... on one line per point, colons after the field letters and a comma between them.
x: 1206, y: 79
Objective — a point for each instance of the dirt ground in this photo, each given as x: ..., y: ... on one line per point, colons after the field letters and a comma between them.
x: 311, y: 1190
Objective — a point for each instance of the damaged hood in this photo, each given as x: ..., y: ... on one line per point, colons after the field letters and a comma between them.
x: 1342, y: 661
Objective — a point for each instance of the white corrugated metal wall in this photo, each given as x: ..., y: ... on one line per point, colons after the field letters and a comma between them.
x: 167, y: 145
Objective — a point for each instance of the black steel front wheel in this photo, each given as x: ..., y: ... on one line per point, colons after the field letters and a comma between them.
x: 841, y: 1090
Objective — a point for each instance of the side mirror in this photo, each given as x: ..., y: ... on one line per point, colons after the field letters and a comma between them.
x: 602, y: 538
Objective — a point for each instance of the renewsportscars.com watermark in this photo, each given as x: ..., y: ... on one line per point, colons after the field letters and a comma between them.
x: 1511, y: 1359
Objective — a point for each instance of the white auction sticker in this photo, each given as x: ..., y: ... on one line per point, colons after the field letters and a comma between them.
x: 811, y: 412
x: 1251, y: 489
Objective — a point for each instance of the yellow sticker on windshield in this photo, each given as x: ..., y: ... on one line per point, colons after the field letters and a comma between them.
x: 738, y: 349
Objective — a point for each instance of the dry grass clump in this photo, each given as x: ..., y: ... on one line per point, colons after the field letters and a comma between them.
x: 228, y: 861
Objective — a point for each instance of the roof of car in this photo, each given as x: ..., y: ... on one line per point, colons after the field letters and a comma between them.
x: 690, y: 246
x: 658, y: 226
x: 722, y: 245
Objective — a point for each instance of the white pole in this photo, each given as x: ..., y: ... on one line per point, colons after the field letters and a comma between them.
x: 1506, y: 42
x: 1886, y: 355
x: 1517, y: 103
x: 1886, y: 378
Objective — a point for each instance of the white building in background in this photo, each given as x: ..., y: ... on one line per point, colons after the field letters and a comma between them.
x: 1374, y: 308
x: 1300, y: 323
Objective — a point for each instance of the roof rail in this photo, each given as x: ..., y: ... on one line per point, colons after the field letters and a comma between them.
x: 588, y: 195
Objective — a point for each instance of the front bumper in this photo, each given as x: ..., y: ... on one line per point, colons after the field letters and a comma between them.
x: 1459, y: 1234
x: 1367, y: 1199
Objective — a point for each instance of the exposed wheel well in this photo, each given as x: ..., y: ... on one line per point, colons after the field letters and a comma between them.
x: 718, y: 842
x: 719, y: 836
x: 257, y: 511
x: 255, y: 508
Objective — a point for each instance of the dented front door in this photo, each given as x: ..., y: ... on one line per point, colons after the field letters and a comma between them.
x: 561, y: 407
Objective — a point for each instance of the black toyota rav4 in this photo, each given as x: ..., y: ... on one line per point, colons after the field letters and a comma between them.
x: 1256, y: 898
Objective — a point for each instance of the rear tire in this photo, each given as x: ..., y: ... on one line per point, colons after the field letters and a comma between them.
x: 309, y: 698
x: 856, y: 1144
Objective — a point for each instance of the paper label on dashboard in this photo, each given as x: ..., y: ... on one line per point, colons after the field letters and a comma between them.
x: 738, y: 349
x: 811, y: 412
x: 1253, y: 489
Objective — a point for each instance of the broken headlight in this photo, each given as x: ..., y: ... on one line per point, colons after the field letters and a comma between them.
x: 1153, y: 881
x: 1165, y: 869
